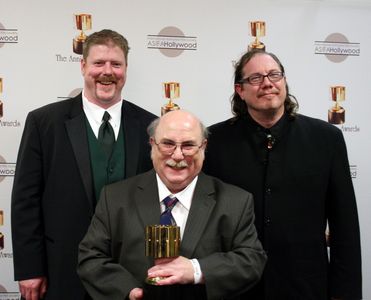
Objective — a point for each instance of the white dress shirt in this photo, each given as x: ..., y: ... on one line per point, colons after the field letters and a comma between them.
x: 180, y: 213
x: 181, y: 209
x: 94, y: 114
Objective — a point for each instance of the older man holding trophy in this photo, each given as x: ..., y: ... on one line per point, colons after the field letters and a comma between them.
x: 173, y: 231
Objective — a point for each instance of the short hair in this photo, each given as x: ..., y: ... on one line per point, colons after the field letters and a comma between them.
x: 152, y: 127
x: 239, y: 107
x: 106, y: 37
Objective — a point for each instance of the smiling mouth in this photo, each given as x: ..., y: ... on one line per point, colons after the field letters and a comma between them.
x: 106, y: 82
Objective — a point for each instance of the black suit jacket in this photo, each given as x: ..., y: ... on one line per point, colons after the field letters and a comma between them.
x: 219, y: 232
x: 299, y: 185
x: 53, y: 195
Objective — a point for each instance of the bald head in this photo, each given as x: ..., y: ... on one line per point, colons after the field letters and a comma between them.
x: 178, y: 141
x: 177, y: 115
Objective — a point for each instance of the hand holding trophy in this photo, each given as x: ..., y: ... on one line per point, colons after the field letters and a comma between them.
x: 163, y: 242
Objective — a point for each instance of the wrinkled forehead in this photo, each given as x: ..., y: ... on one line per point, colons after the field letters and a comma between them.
x: 179, y: 129
x: 261, y: 62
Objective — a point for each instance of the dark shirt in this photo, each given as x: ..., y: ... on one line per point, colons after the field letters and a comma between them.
x: 298, y: 172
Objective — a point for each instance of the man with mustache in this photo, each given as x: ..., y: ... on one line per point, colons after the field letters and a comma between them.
x: 219, y: 250
x: 297, y: 169
x: 64, y: 160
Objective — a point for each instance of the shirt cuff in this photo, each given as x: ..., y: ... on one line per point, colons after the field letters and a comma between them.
x: 197, y: 274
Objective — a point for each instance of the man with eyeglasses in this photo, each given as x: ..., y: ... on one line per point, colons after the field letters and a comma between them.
x: 297, y: 169
x: 219, y: 247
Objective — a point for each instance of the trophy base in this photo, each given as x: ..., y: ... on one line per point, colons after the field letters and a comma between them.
x: 167, y: 108
x: 77, y: 46
x: 176, y: 291
x: 1, y: 109
x: 259, y: 46
x: 336, y: 117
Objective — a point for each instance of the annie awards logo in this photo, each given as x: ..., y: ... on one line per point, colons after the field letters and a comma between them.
x: 5, y: 123
x: 336, y: 114
x: 336, y: 48
x: 82, y: 23
x: 171, y: 42
x: 257, y: 30
x: 8, y: 36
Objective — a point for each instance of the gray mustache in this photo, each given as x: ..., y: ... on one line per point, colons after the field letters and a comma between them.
x: 178, y: 165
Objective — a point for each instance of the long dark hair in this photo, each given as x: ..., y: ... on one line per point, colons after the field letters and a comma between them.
x: 239, y: 107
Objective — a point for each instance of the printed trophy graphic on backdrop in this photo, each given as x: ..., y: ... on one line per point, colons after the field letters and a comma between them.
x: 171, y: 91
x: 1, y: 234
x: 257, y: 30
x: 336, y: 114
x: 83, y: 23
x: 1, y: 103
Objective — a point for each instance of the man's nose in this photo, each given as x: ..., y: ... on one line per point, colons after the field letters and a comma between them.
x: 178, y: 154
x: 107, y: 68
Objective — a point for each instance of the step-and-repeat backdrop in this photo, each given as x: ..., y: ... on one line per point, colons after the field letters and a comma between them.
x: 324, y: 45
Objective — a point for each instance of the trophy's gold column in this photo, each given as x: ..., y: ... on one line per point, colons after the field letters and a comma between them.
x: 257, y: 30
x: 171, y: 91
x: 83, y: 23
x: 336, y: 114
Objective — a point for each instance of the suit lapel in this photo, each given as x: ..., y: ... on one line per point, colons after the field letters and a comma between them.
x: 202, y: 206
x: 148, y: 203
x: 76, y: 129
x: 203, y: 202
x: 131, y: 129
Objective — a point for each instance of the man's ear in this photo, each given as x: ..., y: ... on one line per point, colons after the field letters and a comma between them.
x: 238, y: 89
x: 82, y: 66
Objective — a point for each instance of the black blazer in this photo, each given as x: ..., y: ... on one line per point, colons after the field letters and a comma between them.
x: 219, y: 232
x: 53, y: 195
x: 299, y: 185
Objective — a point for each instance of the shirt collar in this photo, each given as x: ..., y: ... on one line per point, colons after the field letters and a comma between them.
x: 96, y: 112
x: 184, y: 197
x: 277, y: 130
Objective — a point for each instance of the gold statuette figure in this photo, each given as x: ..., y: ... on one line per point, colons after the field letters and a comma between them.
x: 171, y: 91
x: 336, y: 114
x: 83, y: 22
x: 257, y: 30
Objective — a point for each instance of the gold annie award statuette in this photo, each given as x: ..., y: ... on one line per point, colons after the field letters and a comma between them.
x: 257, y: 30
x: 336, y: 114
x: 171, y: 91
x: 83, y: 23
x: 161, y: 241
x: 1, y: 103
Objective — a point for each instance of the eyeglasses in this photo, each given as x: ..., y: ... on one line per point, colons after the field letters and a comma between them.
x: 257, y: 79
x: 168, y: 147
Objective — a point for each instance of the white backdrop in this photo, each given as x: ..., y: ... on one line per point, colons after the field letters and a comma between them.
x: 35, y: 37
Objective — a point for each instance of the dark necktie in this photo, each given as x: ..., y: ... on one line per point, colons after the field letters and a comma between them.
x: 106, y: 135
x: 166, y: 217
